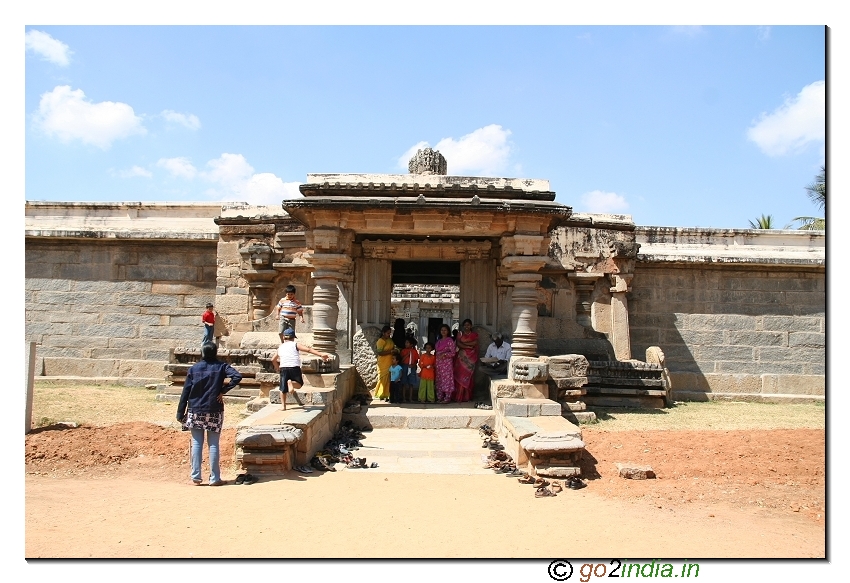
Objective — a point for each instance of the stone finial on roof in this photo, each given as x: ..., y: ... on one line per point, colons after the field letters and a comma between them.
x: 427, y: 161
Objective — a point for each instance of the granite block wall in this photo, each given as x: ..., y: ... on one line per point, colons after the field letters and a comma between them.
x: 754, y: 332
x: 115, y: 309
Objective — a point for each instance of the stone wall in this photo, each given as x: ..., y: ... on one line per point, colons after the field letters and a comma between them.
x: 101, y: 308
x: 733, y: 331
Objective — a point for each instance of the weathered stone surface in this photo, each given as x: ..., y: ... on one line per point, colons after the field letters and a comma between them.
x: 260, y: 340
x: 634, y: 471
x: 363, y: 356
x: 567, y: 382
x: 557, y: 471
x: 525, y: 369
x: 567, y: 366
x: 551, y: 443
x: 268, y: 436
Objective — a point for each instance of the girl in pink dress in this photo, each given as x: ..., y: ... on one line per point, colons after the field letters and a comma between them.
x: 445, y: 351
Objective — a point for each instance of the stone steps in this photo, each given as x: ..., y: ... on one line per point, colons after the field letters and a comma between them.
x: 422, y: 451
x: 381, y: 415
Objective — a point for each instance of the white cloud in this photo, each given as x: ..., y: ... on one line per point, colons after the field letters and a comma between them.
x: 404, y: 159
x: 134, y: 172
x: 189, y: 120
x: 798, y: 122
x: 764, y: 33
x: 48, y: 48
x: 484, y: 152
x: 598, y: 201
x: 67, y: 115
x: 235, y: 180
x: 178, y: 167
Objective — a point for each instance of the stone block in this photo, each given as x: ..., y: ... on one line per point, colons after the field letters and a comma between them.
x: 811, y: 339
x: 36, y: 328
x: 183, y: 289
x: 567, y: 366
x: 146, y: 300
x: 553, y: 443
x: 61, y: 317
x: 708, y: 353
x: 634, y: 471
x: 111, y: 286
x: 134, y: 318
x: 110, y: 330
x: 82, y: 367
x: 550, y: 408
x: 568, y: 383
x: 798, y: 354
x: 719, y: 322
x: 693, y: 337
x: 47, y: 284
x: 513, y: 407
x: 733, y: 383
x: 178, y: 334
x: 757, y: 338
x: 141, y: 368
x: 75, y: 342
x: 794, y: 384
x: 791, y: 324
x: 232, y: 304
x: 268, y: 436
x: 116, y: 353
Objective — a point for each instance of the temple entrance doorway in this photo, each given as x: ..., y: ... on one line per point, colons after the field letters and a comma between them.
x: 426, y: 295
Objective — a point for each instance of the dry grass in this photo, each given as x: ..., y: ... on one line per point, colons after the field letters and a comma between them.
x: 107, y: 404
x: 714, y: 415
x: 98, y: 405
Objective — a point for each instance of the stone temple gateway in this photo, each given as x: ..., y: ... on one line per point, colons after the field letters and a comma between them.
x: 115, y: 291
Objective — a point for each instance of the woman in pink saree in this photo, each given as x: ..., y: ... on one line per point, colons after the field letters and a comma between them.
x: 445, y: 351
x: 465, y: 361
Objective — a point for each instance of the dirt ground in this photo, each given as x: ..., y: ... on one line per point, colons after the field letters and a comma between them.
x: 717, y: 494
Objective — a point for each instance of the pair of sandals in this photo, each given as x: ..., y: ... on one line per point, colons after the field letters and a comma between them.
x: 247, y: 479
x: 486, y: 431
x: 305, y: 469
x: 483, y: 406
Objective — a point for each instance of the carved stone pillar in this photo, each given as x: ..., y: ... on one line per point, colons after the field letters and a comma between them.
x: 256, y: 263
x: 620, y: 339
x: 330, y: 268
x: 523, y: 276
x: 584, y: 284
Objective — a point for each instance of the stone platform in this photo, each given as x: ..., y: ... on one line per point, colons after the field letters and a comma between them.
x: 380, y: 415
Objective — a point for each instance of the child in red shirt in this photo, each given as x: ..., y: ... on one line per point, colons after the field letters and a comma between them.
x: 209, y: 324
x: 409, y: 358
x: 427, y: 362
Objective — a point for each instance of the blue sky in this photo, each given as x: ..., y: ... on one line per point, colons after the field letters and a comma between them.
x: 676, y: 125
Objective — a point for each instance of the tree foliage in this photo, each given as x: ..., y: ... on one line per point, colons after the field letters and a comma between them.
x: 816, y: 191
x: 763, y: 222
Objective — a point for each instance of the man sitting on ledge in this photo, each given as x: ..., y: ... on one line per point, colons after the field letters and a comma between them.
x: 495, y: 361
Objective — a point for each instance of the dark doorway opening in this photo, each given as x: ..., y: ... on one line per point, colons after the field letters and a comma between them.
x: 426, y: 272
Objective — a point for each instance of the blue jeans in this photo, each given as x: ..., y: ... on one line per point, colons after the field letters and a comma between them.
x: 208, y: 334
x: 198, y: 454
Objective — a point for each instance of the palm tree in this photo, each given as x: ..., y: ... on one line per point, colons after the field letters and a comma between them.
x: 816, y: 191
x: 763, y: 222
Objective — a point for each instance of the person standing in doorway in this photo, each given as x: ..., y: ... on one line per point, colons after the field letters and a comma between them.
x: 287, y: 310
x: 426, y: 374
x: 445, y: 352
x: 465, y: 362
x: 384, y: 351
x: 208, y: 319
x: 201, y: 408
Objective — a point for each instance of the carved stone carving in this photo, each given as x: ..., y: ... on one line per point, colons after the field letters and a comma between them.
x: 427, y: 161
x: 530, y: 371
